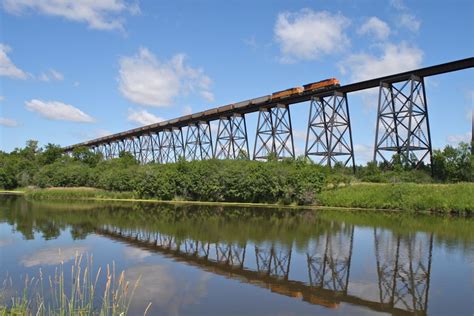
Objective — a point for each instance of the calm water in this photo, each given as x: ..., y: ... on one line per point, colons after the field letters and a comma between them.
x: 202, y: 260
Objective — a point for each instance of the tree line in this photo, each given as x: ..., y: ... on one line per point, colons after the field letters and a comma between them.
x: 288, y: 181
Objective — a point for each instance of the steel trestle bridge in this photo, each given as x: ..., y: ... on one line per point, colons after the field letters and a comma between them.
x: 402, y: 126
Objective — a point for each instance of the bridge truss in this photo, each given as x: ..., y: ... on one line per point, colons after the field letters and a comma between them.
x: 402, y: 126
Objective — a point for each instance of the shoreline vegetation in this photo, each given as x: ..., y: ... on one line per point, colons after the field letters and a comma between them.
x: 103, y: 292
x: 448, y: 187
x: 437, y: 198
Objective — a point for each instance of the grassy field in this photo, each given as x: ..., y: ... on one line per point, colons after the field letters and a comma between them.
x: 456, y: 198
x: 445, y: 198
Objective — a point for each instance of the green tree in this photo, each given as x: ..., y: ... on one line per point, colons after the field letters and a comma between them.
x: 50, y: 154
x: 86, y: 156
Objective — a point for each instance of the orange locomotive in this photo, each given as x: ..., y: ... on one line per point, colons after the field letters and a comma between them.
x: 327, y: 83
x: 286, y: 93
x: 320, y: 85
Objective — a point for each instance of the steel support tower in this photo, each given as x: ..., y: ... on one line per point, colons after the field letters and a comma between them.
x: 231, y: 140
x: 171, y: 145
x: 402, y: 122
x: 274, y: 134
x: 198, y: 144
x: 329, y: 135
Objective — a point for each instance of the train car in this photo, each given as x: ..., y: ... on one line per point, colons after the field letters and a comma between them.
x: 323, y: 84
x: 241, y: 104
x: 260, y: 100
x: 286, y: 93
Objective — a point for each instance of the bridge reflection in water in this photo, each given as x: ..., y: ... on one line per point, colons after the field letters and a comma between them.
x: 403, y: 264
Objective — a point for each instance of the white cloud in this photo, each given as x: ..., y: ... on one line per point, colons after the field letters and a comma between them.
x: 375, y: 27
x: 307, y: 35
x: 143, y: 117
x: 250, y: 42
x: 456, y: 139
x: 98, y: 14
x: 405, y: 18
x: 145, y: 80
x: 55, y: 110
x: 398, y: 4
x: 410, y: 22
x: 2, y: 98
x: 52, y: 256
x: 6, y: 242
x: 299, y: 134
x: 76, y: 84
x: 8, y: 122
x: 136, y: 254
x: 51, y: 75
x: 187, y: 110
x: 207, y: 95
x: 363, y: 153
x: 394, y: 59
x: 168, y: 290
x: 7, y: 68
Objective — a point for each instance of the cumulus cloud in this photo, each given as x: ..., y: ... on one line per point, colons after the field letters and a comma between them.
x: 97, y: 14
x: 7, y: 67
x: 398, y: 4
x: 308, y: 34
x: 207, y: 95
x: 393, y: 59
x: 52, y: 256
x: 143, y: 117
x: 363, y: 153
x: 51, y: 75
x: 6, y: 242
x: 167, y: 290
x: 187, y: 110
x: 8, y: 122
x: 456, y: 139
x: 405, y: 18
x: 55, y: 110
x: 145, y: 80
x: 136, y: 254
x: 410, y: 22
x: 2, y: 98
x: 375, y: 27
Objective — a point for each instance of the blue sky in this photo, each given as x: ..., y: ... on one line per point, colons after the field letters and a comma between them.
x: 75, y: 70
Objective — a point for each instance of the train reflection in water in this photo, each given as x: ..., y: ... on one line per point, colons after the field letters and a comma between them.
x: 403, y: 265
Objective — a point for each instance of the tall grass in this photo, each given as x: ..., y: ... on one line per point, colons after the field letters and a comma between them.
x: 82, y: 294
x: 457, y: 198
x: 76, y: 193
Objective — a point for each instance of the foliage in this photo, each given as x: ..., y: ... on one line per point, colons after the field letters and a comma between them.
x: 289, y: 181
x: 453, y: 164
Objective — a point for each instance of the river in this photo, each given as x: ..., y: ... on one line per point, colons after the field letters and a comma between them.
x: 216, y: 260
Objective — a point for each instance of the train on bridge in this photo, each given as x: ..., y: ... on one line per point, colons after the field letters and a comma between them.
x: 402, y: 125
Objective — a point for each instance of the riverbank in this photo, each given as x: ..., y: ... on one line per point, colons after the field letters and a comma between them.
x: 438, y: 198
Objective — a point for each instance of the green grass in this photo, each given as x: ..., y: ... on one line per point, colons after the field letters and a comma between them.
x: 56, y: 295
x: 456, y: 198
x: 75, y: 193
x: 445, y: 198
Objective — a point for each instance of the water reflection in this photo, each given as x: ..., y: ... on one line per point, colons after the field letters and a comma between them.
x: 371, y: 262
x: 403, y: 265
